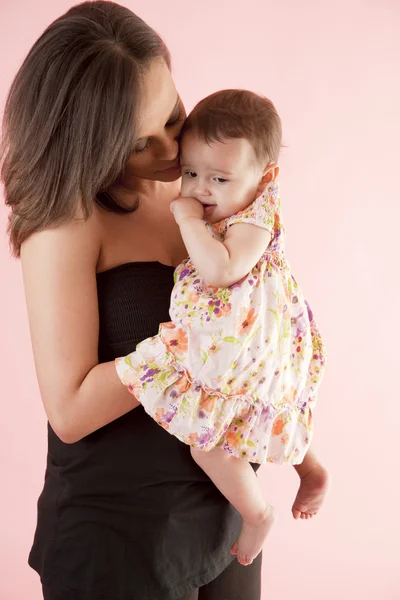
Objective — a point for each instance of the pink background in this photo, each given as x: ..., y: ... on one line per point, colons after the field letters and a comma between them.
x: 332, y: 68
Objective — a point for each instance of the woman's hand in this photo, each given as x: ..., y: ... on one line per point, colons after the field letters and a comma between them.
x: 186, y: 208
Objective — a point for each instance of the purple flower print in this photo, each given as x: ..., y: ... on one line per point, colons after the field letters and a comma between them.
x: 206, y: 437
x: 149, y: 374
x: 267, y: 417
x: 167, y: 418
x: 183, y: 274
x: 302, y: 407
x: 310, y: 313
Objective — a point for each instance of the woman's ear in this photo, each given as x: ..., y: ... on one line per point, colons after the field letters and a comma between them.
x: 270, y: 173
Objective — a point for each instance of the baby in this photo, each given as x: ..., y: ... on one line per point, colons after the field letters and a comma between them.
x: 236, y: 371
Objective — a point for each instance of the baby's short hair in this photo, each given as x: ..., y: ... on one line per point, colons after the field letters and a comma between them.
x: 231, y: 114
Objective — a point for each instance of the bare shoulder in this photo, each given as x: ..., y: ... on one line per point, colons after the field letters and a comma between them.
x: 78, y: 237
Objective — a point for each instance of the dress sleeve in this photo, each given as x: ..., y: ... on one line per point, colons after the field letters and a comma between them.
x: 261, y: 212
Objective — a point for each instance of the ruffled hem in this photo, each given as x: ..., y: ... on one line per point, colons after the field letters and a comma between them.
x: 205, y: 418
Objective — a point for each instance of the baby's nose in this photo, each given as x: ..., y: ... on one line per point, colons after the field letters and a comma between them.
x: 201, y: 189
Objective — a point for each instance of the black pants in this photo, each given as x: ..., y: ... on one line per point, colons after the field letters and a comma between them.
x: 235, y: 583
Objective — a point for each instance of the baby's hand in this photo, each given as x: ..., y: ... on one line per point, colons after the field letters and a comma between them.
x: 186, y: 208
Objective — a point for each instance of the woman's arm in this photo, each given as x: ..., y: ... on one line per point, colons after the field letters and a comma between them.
x: 221, y: 264
x: 59, y: 271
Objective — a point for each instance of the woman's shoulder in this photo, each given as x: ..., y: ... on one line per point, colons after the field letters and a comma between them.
x: 78, y: 237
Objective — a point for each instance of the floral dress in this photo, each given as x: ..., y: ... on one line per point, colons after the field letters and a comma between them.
x: 238, y: 367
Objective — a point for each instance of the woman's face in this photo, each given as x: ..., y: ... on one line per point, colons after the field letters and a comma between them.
x: 162, y: 115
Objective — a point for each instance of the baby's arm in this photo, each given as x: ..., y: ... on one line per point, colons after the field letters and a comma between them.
x: 221, y: 264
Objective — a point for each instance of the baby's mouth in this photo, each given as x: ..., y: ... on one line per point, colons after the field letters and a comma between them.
x: 208, y: 207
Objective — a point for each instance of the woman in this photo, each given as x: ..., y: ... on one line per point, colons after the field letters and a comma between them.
x: 90, y: 167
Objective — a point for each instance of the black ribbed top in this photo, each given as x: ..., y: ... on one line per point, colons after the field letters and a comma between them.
x: 125, y: 513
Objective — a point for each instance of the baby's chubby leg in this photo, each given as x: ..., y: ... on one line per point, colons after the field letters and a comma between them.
x: 237, y: 481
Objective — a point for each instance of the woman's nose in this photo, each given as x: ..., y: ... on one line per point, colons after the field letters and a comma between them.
x: 170, y: 147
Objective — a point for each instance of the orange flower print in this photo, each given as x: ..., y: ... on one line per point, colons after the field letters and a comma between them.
x: 244, y: 390
x: 193, y: 296
x: 225, y: 309
x: 207, y: 402
x: 212, y: 289
x: 175, y: 339
x: 193, y: 437
x: 278, y: 426
x: 158, y: 417
x: 246, y: 320
x: 231, y: 440
x: 182, y: 385
x: 284, y: 439
x: 290, y: 396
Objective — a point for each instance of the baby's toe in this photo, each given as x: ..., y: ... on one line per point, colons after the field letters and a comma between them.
x: 234, y: 549
x: 244, y: 560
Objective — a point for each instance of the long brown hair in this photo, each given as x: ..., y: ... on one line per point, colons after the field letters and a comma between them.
x: 69, y: 120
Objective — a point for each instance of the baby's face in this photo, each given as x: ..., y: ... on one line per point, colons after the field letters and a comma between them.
x: 223, y: 176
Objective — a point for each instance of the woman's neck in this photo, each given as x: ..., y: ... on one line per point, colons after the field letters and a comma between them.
x: 143, y: 191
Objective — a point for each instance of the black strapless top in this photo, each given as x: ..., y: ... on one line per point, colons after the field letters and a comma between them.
x: 125, y: 513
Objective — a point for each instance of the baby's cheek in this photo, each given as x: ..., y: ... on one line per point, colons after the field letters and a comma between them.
x: 188, y: 190
x: 185, y: 188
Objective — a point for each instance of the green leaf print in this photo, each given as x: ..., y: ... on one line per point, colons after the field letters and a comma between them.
x: 128, y: 361
x: 184, y: 407
x: 271, y: 310
x: 204, y: 356
x: 231, y: 339
x: 250, y: 443
x: 252, y: 335
x: 162, y: 377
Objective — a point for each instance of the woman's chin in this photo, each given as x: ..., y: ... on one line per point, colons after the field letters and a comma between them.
x: 168, y: 176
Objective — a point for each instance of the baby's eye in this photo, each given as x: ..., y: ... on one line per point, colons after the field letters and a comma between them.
x: 191, y: 174
x: 220, y: 180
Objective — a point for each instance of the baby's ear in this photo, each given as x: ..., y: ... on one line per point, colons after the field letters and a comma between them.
x: 271, y: 172
x: 275, y: 172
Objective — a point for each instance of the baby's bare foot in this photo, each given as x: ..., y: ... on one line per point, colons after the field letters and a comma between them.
x: 252, y: 537
x: 314, y: 486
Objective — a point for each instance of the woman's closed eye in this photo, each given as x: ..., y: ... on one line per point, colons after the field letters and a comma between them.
x: 142, y: 144
x: 174, y: 121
